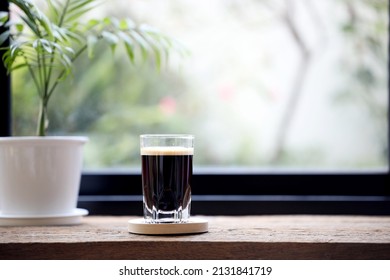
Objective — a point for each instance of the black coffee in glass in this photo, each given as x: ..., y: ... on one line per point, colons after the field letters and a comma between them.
x: 166, y: 182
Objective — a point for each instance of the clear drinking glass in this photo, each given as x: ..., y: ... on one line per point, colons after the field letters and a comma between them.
x: 166, y: 177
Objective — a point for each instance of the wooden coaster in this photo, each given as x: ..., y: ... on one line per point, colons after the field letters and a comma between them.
x: 194, y: 225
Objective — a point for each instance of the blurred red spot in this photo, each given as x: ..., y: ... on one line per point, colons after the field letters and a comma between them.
x: 168, y: 105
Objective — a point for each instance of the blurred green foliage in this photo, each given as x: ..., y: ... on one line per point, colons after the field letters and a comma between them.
x: 113, y: 102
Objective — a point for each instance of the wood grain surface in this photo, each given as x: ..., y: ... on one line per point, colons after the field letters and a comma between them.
x: 249, y: 237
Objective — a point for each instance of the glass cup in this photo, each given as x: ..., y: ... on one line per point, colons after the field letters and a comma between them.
x: 166, y: 177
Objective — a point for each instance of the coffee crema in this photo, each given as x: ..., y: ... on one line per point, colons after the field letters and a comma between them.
x: 166, y: 151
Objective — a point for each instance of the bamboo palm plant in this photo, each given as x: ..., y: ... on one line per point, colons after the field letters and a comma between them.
x: 47, y: 42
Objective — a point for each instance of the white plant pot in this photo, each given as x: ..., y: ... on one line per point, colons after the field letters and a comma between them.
x: 40, y: 176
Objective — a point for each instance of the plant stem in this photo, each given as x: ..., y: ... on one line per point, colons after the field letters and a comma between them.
x: 41, y: 129
x: 42, y: 110
x: 46, y: 76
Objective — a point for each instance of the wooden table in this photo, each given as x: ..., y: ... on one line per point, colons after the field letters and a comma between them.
x: 249, y: 237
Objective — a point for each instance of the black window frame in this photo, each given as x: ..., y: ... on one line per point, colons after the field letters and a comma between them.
x: 233, y: 191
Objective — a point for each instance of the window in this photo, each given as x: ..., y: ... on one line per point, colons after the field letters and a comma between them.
x: 265, y: 85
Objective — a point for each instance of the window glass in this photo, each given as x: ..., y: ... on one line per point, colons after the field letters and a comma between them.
x: 274, y: 83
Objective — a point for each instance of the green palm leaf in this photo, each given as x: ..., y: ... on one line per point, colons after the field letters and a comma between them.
x: 65, y: 12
